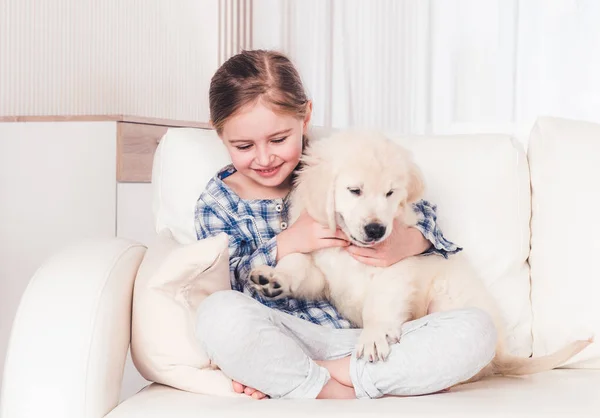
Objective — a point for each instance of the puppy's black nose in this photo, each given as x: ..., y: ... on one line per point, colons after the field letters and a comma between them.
x: 374, y: 230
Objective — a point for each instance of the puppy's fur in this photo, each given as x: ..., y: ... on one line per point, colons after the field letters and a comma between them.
x: 354, y: 180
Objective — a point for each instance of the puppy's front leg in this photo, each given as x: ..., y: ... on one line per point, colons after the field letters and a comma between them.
x: 387, y: 307
x: 295, y: 275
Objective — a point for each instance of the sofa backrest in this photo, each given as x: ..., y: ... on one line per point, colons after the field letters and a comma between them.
x: 480, y: 184
x: 565, y: 242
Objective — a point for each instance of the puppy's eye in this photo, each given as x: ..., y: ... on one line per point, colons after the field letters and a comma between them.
x: 355, y: 191
x: 388, y: 194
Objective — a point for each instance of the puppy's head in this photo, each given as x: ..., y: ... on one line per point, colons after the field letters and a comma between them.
x: 360, y: 182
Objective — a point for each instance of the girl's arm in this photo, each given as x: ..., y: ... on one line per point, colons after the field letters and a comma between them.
x: 242, y: 258
x: 431, y: 231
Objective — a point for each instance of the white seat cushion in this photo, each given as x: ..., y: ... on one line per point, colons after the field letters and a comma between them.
x: 565, y: 241
x: 479, y: 182
x: 559, y: 393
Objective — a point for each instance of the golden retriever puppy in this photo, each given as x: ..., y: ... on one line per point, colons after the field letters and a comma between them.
x: 360, y: 182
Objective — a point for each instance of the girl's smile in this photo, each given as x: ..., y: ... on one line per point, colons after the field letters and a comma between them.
x: 268, y: 172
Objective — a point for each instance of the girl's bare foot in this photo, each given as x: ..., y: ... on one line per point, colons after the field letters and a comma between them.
x: 239, y: 388
x: 338, y: 369
x: 338, y: 387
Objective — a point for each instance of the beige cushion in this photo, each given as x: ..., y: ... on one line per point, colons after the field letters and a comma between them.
x: 564, y: 158
x: 172, y: 281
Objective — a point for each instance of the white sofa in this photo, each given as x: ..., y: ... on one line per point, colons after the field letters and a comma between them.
x: 526, y: 219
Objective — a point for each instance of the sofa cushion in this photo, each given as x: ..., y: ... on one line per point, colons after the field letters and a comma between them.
x: 481, y: 186
x: 565, y: 241
x: 172, y: 281
x: 479, y: 182
x: 559, y: 393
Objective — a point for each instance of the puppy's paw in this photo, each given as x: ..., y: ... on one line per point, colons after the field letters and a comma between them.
x: 393, y: 334
x: 373, y: 344
x: 269, y: 283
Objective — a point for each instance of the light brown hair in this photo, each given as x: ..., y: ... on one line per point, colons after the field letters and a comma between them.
x: 252, y: 75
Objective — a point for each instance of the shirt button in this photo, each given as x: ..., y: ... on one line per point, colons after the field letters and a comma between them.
x: 278, y: 208
x: 283, y: 225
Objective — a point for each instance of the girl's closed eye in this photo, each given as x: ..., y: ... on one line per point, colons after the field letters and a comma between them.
x: 244, y: 147
x: 279, y: 141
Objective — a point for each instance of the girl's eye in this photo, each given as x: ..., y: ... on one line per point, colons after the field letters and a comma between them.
x: 388, y: 194
x: 355, y: 191
x: 244, y: 147
x: 280, y: 140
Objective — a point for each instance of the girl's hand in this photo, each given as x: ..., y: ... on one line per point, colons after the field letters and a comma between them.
x: 307, y: 235
x: 239, y: 388
x: 403, y: 242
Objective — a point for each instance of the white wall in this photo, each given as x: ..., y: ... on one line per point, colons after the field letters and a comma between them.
x: 57, y: 186
x: 135, y: 219
x: 148, y: 58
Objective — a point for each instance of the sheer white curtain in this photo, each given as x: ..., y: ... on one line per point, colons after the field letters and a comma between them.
x: 440, y: 66
x: 558, y: 60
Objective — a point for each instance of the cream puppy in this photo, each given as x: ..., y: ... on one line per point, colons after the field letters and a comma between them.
x: 360, y: 182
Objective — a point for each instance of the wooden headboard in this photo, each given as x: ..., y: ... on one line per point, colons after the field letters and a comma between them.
x: 136, y: 145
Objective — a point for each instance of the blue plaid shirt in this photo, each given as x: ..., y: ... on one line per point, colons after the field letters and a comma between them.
x: 252, y: 226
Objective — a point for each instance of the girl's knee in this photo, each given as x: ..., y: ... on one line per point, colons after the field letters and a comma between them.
x: 439, y: 351
x: 468, y: 330
x: 479, y: 327
x: 226, y: 316
x: 220, y: 302
x: 213, y: 307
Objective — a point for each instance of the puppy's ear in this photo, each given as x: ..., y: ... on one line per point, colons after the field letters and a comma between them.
x: 416, y: 184
x: 315, y: 189
x: 415, y: 187
x: 330, y: 206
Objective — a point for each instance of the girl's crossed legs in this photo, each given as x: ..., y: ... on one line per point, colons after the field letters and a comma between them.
x: 284, y: 356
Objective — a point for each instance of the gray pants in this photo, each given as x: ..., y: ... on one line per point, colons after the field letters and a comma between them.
x: 273, y: 352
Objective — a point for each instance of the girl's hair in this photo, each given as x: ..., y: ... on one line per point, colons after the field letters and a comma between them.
x: 252, y: 75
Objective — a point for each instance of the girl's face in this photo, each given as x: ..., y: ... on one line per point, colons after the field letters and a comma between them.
x: 264, y: 146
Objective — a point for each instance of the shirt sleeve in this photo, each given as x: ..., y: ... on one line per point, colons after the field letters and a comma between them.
x: 243, y: 257
x: 427, y: 224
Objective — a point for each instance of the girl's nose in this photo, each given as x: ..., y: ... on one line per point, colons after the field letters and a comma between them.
x: 264, y: 158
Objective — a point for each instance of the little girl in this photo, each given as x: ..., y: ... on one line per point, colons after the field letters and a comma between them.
x: 292, y: 348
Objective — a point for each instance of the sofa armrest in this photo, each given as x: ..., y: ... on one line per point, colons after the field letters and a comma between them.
x: 71, y: 333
